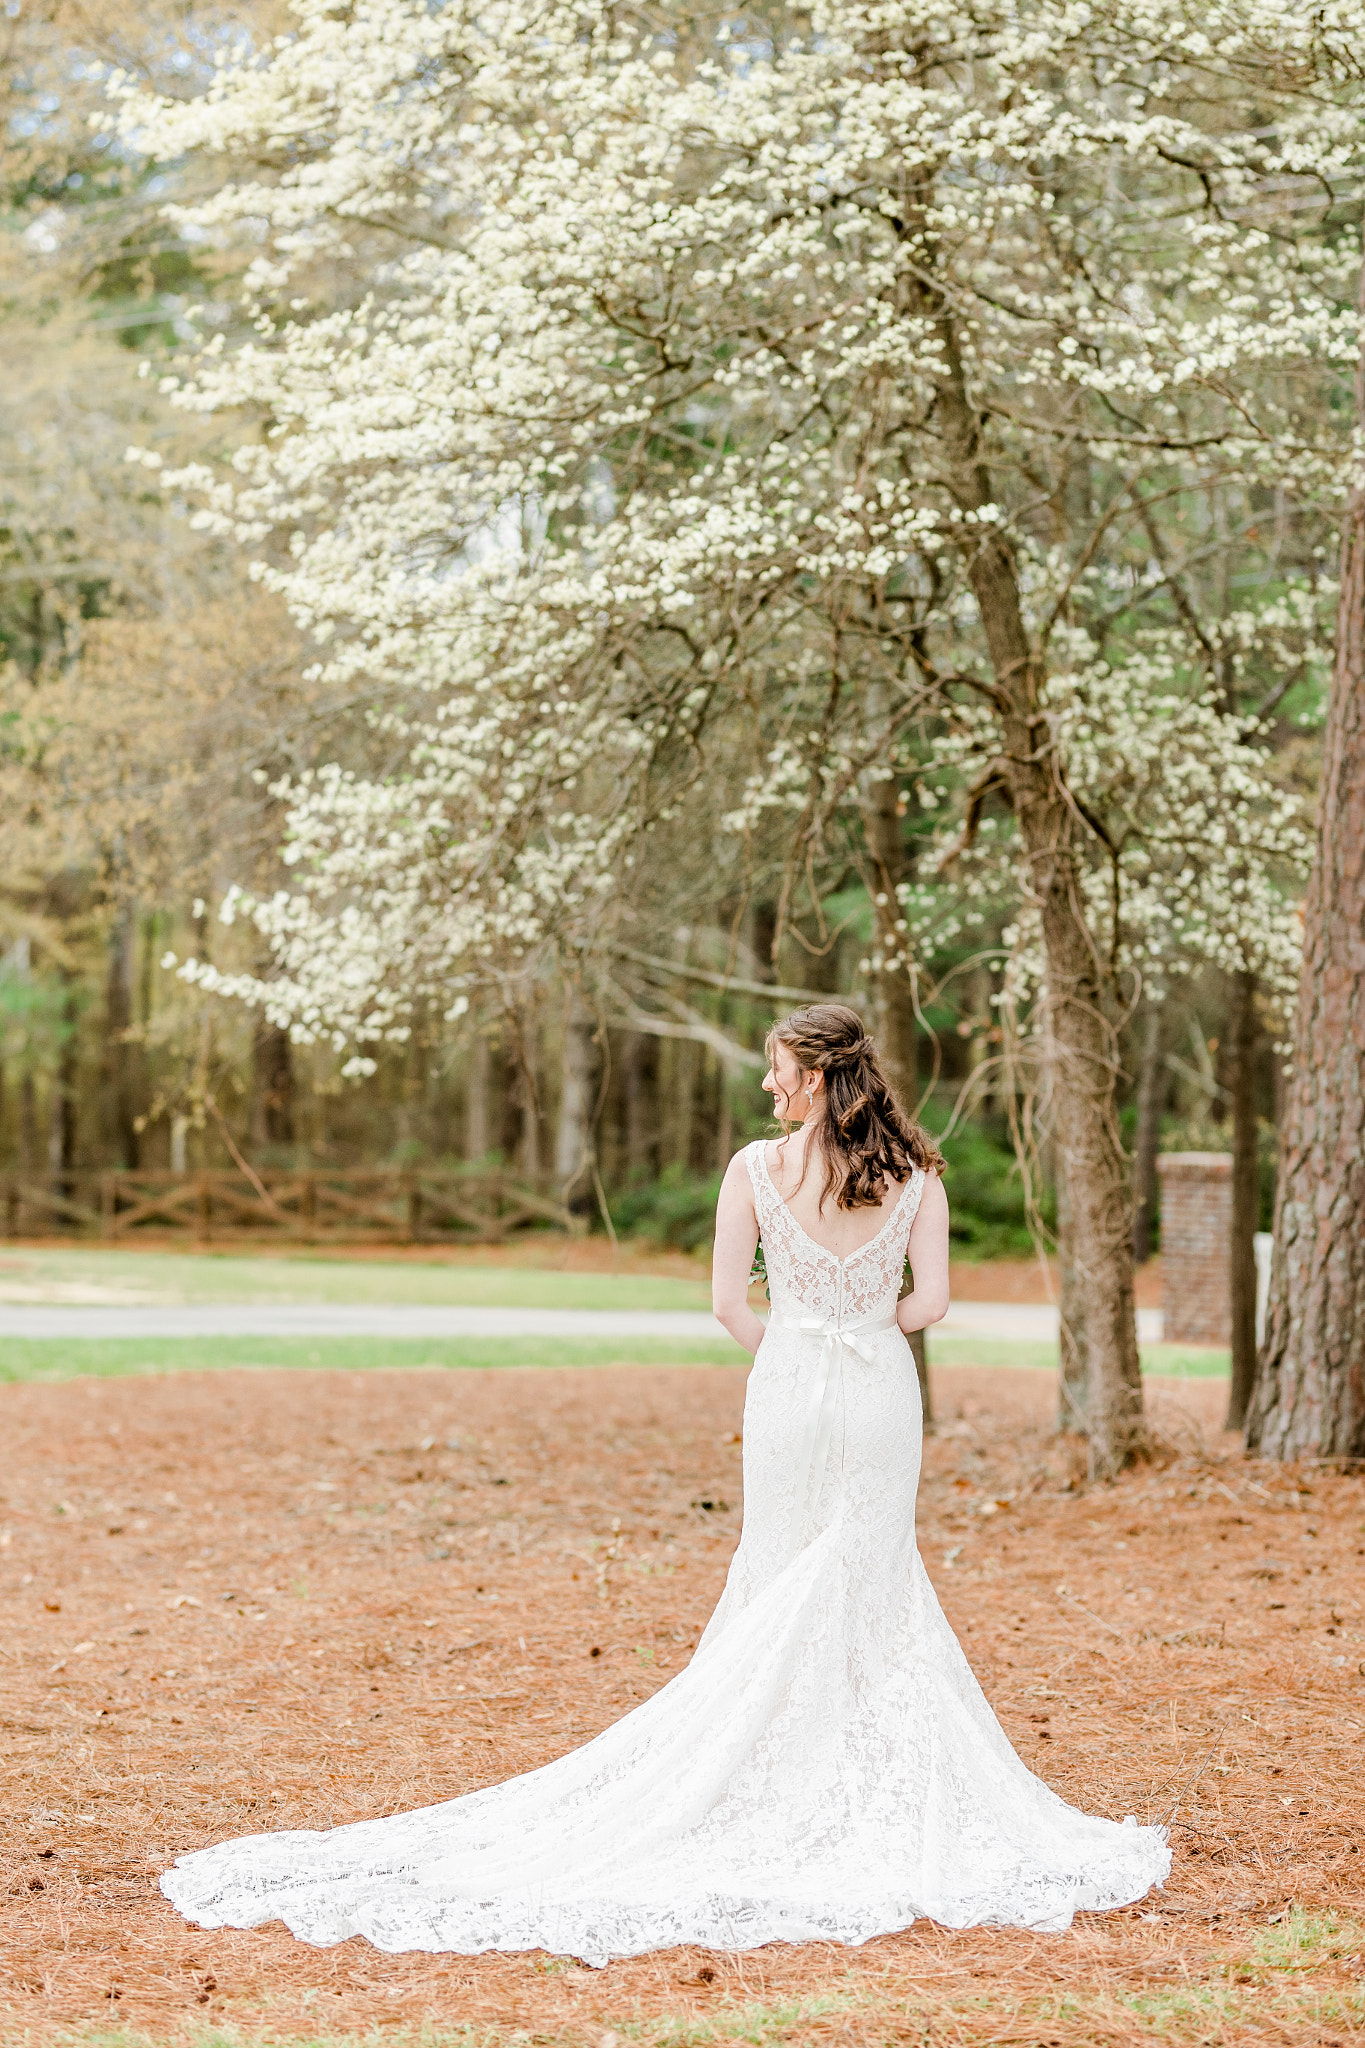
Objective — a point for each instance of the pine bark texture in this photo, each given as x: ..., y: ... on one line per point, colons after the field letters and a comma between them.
x: 1147, y: 1137
x: 1243, y: 1036
x: 1310, y: 1393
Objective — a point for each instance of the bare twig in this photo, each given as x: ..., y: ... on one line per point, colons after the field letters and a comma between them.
x: 242, y: 1164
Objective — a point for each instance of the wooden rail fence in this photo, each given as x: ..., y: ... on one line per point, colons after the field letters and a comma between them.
x: 315, y: 1205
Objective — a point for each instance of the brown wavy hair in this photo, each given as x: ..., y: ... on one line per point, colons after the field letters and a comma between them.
x: 865, y: 1135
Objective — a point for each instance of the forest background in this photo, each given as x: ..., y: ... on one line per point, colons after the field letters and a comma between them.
x: 826, y: 805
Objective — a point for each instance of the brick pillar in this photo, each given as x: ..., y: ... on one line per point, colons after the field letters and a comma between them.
x: 1196, y: 1237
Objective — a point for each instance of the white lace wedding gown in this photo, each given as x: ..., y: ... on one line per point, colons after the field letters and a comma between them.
x: 825, y: 1769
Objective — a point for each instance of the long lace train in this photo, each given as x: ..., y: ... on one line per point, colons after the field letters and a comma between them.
x: 825, y: 1768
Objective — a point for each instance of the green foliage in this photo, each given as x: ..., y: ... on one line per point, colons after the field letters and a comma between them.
x: 1198, y: 1131
x: 986, y: 1197
x: 36, y: 1019
x: 678, y: 1209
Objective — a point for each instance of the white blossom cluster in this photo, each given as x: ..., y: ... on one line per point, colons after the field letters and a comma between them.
x: 600, y: 363
x: 1193, y: 856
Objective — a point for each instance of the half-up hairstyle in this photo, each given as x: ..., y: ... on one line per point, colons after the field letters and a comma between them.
x: 865, y: 1136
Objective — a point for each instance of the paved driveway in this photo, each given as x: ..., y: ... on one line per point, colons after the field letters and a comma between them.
x: 406, y: 1319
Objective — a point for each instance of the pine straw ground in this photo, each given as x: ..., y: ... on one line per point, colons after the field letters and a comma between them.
x: 250, y: 1600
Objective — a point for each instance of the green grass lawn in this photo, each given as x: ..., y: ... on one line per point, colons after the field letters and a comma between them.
x: 57, y: 1358
x: 1174, y: 1361
x: 92, y: 1274
x: 87, y: 1273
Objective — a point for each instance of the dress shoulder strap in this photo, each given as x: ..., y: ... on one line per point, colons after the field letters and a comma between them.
x: 766, y: 1197
x: 913, y: 1193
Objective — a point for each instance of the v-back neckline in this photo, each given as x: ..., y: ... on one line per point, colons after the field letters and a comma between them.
x: 814, y: 1242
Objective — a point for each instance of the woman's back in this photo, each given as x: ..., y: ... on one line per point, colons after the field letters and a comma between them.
x: 797, y: 1169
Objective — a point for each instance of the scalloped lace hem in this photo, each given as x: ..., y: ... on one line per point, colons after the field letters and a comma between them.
x: 600, y: 1930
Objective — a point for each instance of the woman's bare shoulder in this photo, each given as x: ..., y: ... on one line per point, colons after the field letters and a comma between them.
x: 736, y: 1199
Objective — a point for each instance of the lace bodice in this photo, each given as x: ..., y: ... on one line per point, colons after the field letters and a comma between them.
x: 804, y: 1276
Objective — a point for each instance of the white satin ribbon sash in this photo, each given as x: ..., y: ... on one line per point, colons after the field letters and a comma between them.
x: 827, y: 1388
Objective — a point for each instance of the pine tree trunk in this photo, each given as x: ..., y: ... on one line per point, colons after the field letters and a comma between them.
x: 682, y: 1096
x: 272, y: 1075
x: 61, y: 1124
x: 120, y: 1107
x: 640, y: 1088
x: 1310, y: 1394
x: 1147, y: 1138
x: 574, y: 1151
x: 1243, y: 1035
x: 527, y: 1092
x: 1077, y: 1027
x: 477, y: 1120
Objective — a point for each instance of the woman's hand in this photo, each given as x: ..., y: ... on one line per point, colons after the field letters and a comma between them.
x: 732, y: 1260
x: 928, y: 1253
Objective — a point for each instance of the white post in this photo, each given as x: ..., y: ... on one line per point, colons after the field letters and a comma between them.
x: 1265, y: 1245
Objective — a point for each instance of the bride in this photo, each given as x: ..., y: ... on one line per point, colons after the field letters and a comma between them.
x: 826, y: 1767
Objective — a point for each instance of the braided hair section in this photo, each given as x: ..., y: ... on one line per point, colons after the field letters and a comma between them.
x: 866, y: 1137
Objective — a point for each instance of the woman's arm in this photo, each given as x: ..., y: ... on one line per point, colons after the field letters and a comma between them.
x: 733, y: 1258
x: 928, y: 1301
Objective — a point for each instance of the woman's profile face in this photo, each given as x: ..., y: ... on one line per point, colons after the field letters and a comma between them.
x: 787, y: 1083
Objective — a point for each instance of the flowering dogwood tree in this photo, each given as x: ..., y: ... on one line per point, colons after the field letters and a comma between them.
x: 654, y: 397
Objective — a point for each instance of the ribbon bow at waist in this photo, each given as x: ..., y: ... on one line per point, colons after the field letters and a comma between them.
x: 826, y: 1392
